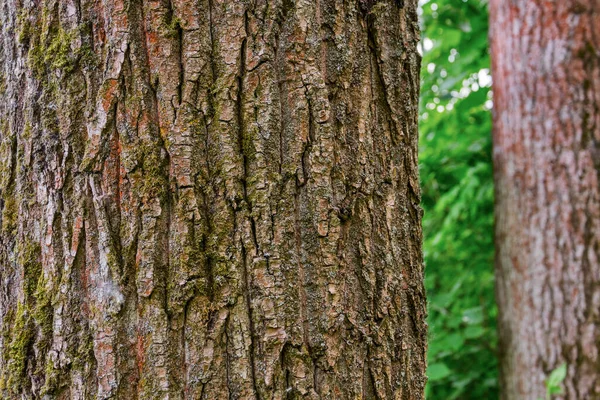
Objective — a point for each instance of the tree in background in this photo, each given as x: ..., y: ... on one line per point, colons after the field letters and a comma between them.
x: 456, y: 173
x: 210, y: 199
x: 546, y: 69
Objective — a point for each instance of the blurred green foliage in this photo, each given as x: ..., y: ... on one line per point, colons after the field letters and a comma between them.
x: 553, y: 383
x: 458, y: 197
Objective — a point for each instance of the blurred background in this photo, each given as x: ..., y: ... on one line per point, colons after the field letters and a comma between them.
x: 458, y: 198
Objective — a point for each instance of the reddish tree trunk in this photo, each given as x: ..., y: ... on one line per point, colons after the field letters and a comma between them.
x: 210, y: 199
x: 546, y: 70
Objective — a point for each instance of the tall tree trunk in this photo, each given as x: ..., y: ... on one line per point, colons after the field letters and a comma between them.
x: 546, y: 70
x: 210, y: 199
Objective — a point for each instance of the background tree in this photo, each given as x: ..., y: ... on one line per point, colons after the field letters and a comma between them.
x: 546, y: 69
x: 455, y: 161
x: 210, y: 199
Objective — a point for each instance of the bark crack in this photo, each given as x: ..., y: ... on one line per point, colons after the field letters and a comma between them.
x: 242, y: 149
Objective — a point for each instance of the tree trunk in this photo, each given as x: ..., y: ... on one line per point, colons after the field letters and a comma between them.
x: 546, y: 70
x: 210, y: 199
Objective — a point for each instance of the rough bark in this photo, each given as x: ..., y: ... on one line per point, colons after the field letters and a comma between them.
x: 210, y: 199
x: 546, y: 70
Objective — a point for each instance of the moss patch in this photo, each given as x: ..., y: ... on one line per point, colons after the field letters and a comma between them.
x: 29, y: 258
x: 55, y: 49
x: 9, y: 215
x: 18, y: 348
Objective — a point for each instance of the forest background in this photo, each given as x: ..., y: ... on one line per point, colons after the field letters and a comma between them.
x: 458, y: 198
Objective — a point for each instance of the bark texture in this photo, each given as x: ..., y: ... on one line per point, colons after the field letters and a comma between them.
x: 210, y: 199
x: 546, y: 70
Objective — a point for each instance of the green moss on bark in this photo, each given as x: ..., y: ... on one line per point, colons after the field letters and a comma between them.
x: 153, y: 182
x: 56, y: 49
x: 7, y: 145
x: 24, y: 27
x: 51, y: 378
x: 9, y: 215
x: 42, y: 311
x: 18, y: 348
x: 34, y: 314
x: 29, y: 258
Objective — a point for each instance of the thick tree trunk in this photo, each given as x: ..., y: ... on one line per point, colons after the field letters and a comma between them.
x: 210, y: 199
x: 546, y: 70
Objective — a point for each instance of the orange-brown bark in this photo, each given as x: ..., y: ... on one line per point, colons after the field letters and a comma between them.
x: 210, y: 199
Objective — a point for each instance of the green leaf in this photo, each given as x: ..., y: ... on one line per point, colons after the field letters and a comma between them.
x: 555, y: 390
x: 437, y: 371
x: 557, y: 376
x: 473, y: 332
x: 454, y: 341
